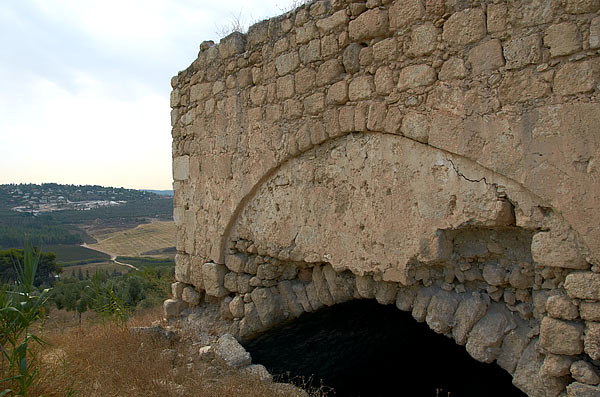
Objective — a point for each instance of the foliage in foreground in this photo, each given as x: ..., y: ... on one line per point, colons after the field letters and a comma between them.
x: 21, y: 306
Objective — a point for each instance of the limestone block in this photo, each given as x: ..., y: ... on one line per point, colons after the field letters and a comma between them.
x: 224, y: 308
x: 305, y: 80
x: 346, y: 119
x: 496, y: 17
x: 440, y: 313
x: 361, y: 87
x: 328, y: 24
x: 191, y: 296
x: 289, y: 298
x: 177, y: 289
x: 329, y: 46
x: 233, y: 44
x: 584, y: 372
x: 582, y: 6
x: 494, y: 275
x: 556, y: 365
x: 366, y: 56
x: 416, y: 76
x: 251, y: 321
x: 518, y: 279
x: 366, y: 286
x: 393, y: 120
x: 259, y: 372
x: 561, y: 337
x: 230, y: 281
x: 369, y: 24
x: 592, y: 339
x: 287, y: 63
x: 561, y: 307
x: 331, y: 123
x: 423, y: 40
x: 415, y: 126
x: 522, y: 86
x: 299, y: 289
x: 321, y: 287
x: 268, y: 306
x: 589, y: 311
x: 594, y: 39
x: 384, y: 50
x: 243, y: 281
x: 563, y: 39
x: 314, y: 104
x: 512, y: 346
x: 313, y: 297
x: 527, y: 375
x: 292, y: 109
x: 376, y: 117
x: 172, y: 308
x: 350, y: 58
x: 235, y: 263
x: 181, y: 168
x: 337, y: 93
x: 285, y: 87
x: 583, y: 285
x: 385, y: 292
x: 454, y: 68
x: 213, y: 275
x: 404, y: 13
x: 329, y: 72
x: 341, y: 285
x: 310, y: 52
x: 257, y: 33
x: 384, y: 81
x: 485, y: 338
x: 486, y: 57
x: 577, y: 77
x: 230, y: 351
x: 361, y: 113
x: 306, y: 33
x: 470, y: 310
x: 422, y: 300
x: 577, y: 389
x: 236, y: 307
x: 465, y: 27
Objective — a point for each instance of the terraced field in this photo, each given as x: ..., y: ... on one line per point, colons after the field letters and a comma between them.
x: 138, y: 241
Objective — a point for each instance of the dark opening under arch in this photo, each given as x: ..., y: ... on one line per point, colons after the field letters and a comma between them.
x: 362, y: 348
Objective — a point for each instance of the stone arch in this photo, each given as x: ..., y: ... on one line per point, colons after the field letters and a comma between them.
x: 480, y: 123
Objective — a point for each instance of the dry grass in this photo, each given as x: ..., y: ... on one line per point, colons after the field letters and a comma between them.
x: 106, y: 360
x: 136, y: 241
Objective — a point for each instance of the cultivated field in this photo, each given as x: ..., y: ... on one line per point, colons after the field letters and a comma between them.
x: 72, y: 254
x: 137, y: 241
x: 91, y: 268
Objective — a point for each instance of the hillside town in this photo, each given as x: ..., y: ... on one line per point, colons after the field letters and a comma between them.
x: 50, y: 197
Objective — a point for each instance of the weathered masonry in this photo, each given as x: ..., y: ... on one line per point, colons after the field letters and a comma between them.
x: 440, y: 156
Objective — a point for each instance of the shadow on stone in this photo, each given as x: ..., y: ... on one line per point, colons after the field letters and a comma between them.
x: 362, y: 348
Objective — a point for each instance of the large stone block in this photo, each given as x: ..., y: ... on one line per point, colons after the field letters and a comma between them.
x: 523, y: 86
x: 416, y: 76
x: 404, y: 13
x: 522, y: 51
x: 361, y: 87
x: 563, y: 39
x: 440, y: 313
x: 485, y: 338
x: 583, y: 285
x: 372, y: 23
x: 592, y: 339
x: 465, y: 27
x: 561, y: 337
x: 577, y: 77
x: 486, y: 57
x: 181, y: 168
x: 213, y: 276
x: 230, y: 351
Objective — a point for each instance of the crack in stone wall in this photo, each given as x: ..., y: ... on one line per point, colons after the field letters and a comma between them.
x: 440, y: 156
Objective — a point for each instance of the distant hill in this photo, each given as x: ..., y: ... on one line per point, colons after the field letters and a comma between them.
x: 51, y: 213
x: 160, y: 192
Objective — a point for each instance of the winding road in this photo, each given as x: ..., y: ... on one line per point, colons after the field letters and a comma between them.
x: 113, y: 257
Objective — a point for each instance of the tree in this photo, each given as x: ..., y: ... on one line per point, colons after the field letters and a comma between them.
x: 80, y: 274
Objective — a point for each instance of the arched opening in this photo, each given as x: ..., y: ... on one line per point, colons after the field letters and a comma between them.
x: 362, y: 348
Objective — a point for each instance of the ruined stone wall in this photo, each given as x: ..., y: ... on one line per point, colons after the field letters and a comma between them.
x: 442, y: 156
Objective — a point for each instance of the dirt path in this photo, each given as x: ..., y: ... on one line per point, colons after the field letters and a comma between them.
x: 113, y: 257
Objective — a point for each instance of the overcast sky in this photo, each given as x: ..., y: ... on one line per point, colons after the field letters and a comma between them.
x: 85, y: 84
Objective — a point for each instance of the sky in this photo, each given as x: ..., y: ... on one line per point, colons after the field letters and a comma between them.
x: 85, y: 84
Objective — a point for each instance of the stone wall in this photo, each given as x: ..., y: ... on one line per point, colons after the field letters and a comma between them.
x: 442, y: 156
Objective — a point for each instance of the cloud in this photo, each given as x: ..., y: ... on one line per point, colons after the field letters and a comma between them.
x: 84, y: 84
